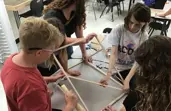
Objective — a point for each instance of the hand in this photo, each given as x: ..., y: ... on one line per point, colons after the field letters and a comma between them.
x: 104, y: 81
x: 71, y: 99
x: 59, y: 75
x: 90, y: 37
x: 108, y: 108
x: 54, y: 78
x: 87, y: 59
x: 126, y: 85
x: 74, y: 72
x: 161, y: 15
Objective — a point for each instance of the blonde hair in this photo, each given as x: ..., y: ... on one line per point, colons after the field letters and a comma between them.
x: 38, y: 33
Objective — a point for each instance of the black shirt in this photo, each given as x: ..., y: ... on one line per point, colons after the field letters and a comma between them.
x: 131, y: 100
x: 69, y: 25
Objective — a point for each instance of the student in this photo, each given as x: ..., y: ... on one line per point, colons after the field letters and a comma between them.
x: 24, y: 86
x: 125, y: 38
x: 152, y: 91
x: 46, y: 71
x: 72, y: 15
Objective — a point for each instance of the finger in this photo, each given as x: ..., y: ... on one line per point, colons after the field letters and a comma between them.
x: 60, y: 76
x: 90, y: 59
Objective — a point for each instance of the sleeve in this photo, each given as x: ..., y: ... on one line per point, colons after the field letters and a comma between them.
x: 34, y: 101
x: 114, y: 36
x: 131, y: 100
x: 144, y: 37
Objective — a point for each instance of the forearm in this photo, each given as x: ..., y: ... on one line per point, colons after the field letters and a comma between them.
x: 79, y: 34
x: 68, y: 108
x: 132, y: 72
x: 112, y: 60
x: 168, y: 12
x: 49, y: 79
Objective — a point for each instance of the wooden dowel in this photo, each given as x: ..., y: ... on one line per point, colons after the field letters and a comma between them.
x: 101, y: 45
x: 92, y: 82
x: 101, y: 72
x: 66, y: 75
x: 82, y: 60
x: 65, y: 46
x: 121, y: 78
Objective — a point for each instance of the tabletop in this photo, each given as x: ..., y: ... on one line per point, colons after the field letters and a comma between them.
x: 16, y: 5
x: 156, y: 11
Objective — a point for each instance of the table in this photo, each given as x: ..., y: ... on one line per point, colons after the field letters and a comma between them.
x: 15, y: 6
x: 156, y: 11
x: 94, y: 96
x: 165, y: 20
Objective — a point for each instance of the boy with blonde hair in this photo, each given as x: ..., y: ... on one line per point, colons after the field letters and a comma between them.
x: 25, y: 88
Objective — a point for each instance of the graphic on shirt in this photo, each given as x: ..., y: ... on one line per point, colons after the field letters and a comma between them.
x: 125, y: 51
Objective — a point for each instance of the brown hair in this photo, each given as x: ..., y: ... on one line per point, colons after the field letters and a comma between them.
x: 154, y: 78
x: 140, y: 12
x: 80, y: 9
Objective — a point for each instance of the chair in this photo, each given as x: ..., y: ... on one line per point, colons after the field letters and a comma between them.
x: 110, y: 4
x: 157, y: 25
x: 36, y: 8
x: 122, y: 3
x: 92, y: 4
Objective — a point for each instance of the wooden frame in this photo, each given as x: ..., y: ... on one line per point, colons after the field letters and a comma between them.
x: 92, y: 82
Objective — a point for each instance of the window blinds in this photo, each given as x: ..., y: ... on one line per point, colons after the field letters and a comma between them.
x: 7, y: 40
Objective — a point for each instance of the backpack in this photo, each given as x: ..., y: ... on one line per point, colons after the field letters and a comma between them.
x: 149, y: 2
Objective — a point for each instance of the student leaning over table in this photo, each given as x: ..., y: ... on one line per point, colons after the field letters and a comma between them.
x: 125, y: 38
x: 72, y: 15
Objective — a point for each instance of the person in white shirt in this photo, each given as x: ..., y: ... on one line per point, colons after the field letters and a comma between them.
x: 125, y: 38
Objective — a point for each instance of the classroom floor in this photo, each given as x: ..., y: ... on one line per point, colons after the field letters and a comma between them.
x: 98, y: 25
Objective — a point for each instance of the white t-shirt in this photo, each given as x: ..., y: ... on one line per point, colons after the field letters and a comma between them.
x: 127, y: 42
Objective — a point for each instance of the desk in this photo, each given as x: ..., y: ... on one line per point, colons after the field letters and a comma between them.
x: 155, y: 25
x: 156, y: 11
x: 15, y: 6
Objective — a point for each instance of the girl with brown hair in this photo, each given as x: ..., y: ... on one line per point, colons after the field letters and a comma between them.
x: 124, y: 39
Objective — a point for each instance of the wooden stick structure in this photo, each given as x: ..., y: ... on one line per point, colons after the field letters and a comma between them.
x: 101, y: 72
x: 82, y: 61
x: 69, y: 81
x: 65, y: 46
x: 103, y: 48
x: 92, y: 82
x: 64, y: 89
x: 121, y: 78
x: 69, y: 77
